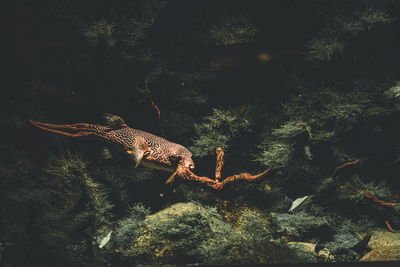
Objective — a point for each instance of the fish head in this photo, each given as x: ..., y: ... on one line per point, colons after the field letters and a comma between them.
x: 188, y: 163
x: 186, y: 158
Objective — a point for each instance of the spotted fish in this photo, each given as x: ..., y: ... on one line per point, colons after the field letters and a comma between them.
x: 145, y: 148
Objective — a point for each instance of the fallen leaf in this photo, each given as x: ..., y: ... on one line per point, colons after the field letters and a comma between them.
x: 297, y: 203
x: 105, y: 240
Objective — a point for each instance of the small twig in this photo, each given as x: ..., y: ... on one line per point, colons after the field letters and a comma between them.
x: 344, y: 165
x: 146, y: 86
x: 382, y: 203
x: 388, y: 225
x: 356, y: 234
x: 157, y: 109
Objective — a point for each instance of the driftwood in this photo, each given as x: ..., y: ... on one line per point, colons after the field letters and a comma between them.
x: 186, y: 174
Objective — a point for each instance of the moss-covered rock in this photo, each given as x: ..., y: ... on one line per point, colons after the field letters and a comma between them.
x: 189, y: 233
x: 308, y: 253
x: 385, y: 247
x: 175, y: 234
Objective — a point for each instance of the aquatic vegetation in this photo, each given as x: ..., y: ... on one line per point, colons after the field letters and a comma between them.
x: 343, y: 27
x: 217, y: 130
x: 302, y: 94
x: 62, y: 192
x: 192, y: 233
x: 100, y: 32
x: 233, y: 30
x: 394, y: 91
x: 277, y: 155
x: 323, y: 50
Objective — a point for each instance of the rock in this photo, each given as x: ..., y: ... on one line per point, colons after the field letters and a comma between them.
x: 174, y: 235
x: 385, y: 246
x: 305, y: 251
x: 345, y: 244
x: 308, y: 254
x: 189, y: 233
x: 325, y: 254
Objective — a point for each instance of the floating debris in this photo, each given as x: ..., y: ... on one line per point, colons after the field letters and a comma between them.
x: 105, y: 240
x: 297, y: 203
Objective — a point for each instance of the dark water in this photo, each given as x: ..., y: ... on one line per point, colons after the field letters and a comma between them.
x: 307, y: 89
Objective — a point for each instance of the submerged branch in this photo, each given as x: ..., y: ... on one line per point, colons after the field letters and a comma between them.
x: 220, y: 163
x: 186, y: 174
x: 370, y: 195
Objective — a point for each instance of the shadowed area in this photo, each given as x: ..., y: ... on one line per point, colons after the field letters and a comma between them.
x: 273, y: 123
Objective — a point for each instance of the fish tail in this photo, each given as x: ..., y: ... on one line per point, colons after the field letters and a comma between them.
x: 72, y: 130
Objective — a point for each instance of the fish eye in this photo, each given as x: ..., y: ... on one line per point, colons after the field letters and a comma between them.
x: 191, y: 166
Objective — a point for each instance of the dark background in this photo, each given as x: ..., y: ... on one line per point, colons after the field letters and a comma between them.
x: 330, y: 65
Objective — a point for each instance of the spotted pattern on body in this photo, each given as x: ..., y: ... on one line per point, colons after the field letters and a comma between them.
x: 145, y: 148
x: 162, y: 154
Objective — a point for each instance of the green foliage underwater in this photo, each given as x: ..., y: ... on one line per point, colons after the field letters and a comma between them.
x: 310, y: 89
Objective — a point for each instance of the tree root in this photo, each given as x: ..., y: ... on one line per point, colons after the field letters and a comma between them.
x: 186, y: 174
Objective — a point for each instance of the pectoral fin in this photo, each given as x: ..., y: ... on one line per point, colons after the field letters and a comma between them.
x: 171, y: 178
x: 140, y: 149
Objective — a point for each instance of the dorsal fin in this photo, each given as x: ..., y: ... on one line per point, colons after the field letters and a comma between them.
x: 113, y: 121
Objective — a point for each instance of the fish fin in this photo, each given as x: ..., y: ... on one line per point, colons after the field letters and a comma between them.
x: 73, y: 130
x: 171, y: 178
x: 140, y: 149
x: 113, y: 121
